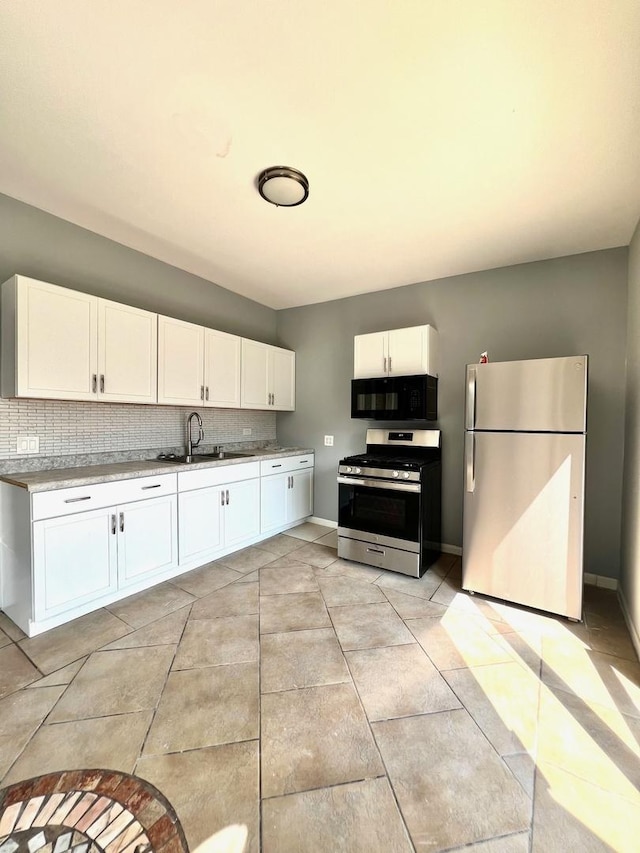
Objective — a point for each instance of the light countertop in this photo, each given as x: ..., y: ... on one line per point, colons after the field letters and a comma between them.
x: 63, y: 478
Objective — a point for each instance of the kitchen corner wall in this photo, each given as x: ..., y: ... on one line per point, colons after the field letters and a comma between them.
x: 37, y: 244
x: 630, y: 574
x: 567, y: 306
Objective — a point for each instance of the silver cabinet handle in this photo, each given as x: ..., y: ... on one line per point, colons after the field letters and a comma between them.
x: 227, y: 497
x: 376, y: 551
x: 75, y: 500
x: 102, y: 383
x: 471, y: 396
x: 279, y: 465
x: 113, y: 522
x: 470, y: 461
x: 289, y: 482
x: 222, y: 497
x: 156, y: 486
x: 202, y: 392
x: 94, y: 382
x: 384, y: 369
x: 389, y: 364
x: 206, y: 393
x: 121, y: 522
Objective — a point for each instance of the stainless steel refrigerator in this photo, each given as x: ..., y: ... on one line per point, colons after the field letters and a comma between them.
x: 524, y: 482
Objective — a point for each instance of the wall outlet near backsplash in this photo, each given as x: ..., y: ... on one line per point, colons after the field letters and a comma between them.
x: 28, y: 444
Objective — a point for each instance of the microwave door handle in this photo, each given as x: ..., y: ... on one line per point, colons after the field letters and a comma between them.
x: 470, y: 462
x: 471, y: 397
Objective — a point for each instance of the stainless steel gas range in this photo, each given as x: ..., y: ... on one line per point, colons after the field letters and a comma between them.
x: 389, y: 501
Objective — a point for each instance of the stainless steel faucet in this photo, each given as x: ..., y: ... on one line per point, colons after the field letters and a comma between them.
x: 190, y: 442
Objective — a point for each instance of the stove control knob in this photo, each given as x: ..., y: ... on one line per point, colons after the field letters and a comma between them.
x: 358, y: 471
x: 406, y: 475
x: 396, y: 473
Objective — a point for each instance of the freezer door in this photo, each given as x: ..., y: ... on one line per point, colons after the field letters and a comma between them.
x: 545, y: 394
x: 523, y: 519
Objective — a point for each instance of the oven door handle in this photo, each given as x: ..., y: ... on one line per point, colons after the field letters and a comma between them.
x: 391, y: 485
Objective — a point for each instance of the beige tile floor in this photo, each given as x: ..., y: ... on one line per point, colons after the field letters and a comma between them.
x: 327, y: 706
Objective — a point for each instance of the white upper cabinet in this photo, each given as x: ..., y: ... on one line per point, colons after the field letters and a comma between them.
x: 398, y: 352
x: 60, y: 344
x: 180, y: 362
x: 127, y: 353
x: 268, y: 377
x: 221, y: 369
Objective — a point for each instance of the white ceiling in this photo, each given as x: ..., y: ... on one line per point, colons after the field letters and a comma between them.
x: 439, y: 136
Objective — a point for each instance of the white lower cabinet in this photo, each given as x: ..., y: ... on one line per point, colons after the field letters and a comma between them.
x: 75, y: 560
x: 86, y: 555
x: 219, y: 511
x: 68, y: 551
x: 286, y: 492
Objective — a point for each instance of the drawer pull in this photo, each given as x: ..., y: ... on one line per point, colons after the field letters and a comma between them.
x: 121, y: 522
x: 113, y: 522
x: 157, y: 486
x: 75, y: 500
x: 303, y: 461
x: 375, y: 551
x: 277, y: 466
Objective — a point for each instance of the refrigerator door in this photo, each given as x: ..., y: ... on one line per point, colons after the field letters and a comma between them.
x: 523, y: 519
x: 543, y: 394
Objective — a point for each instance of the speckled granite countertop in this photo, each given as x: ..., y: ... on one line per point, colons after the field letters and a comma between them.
x: 63, y: 478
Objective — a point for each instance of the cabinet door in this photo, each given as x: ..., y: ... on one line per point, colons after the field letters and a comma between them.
x: 370, y: 355
x: 75, y: 560
x: 273, y: 502
x: 300, y: 495
x: 200, y: 523
x: 283, y: 379
x: 221, y: 369
x: 241, y: 512
x: 180, y: 362
x: 127, y: 353
x: 412, y: 351
x: 56, y: 346
x: 255, y: 375
x: 147, y: 539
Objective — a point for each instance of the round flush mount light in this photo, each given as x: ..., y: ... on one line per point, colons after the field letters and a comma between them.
x: 283, y: 186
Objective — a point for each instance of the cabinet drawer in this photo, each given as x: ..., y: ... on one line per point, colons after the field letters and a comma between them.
x: 218, y: 476
x: 60, y: 502
x: 286, y: 464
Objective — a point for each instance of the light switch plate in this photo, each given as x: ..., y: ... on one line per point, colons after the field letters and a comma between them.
x: 246, y: 431
x: 28, y: 444
x: 328, y: 441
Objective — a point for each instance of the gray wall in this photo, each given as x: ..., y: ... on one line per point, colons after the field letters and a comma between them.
x: 566, y: 306
x: 630, y: 574
x: 40, y: 245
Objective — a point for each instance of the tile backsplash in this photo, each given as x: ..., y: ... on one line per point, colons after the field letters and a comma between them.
x: 73, y: 429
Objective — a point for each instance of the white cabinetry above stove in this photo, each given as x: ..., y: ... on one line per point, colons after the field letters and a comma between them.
x: 397, y: 352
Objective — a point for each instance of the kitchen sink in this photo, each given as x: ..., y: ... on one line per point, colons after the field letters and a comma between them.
x: 202, y: 457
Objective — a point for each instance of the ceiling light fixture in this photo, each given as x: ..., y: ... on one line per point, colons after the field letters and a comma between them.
x: 283, y: 186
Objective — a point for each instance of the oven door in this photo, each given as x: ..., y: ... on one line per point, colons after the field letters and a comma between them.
x: 380, y: 508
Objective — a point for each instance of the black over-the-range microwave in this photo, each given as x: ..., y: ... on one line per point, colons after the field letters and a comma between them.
x: 395, y: 398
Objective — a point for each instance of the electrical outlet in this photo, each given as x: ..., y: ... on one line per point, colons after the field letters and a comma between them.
x: 246, y: 431
x: 28, y: 444
x: 328, y: 441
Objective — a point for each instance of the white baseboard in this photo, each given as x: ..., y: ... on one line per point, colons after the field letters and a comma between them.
x: 316, y: 520
x: 635, y: 637
x: 451, y: 549
x: 600, y: 580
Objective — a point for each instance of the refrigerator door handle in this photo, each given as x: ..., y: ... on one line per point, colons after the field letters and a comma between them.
x: 470, y: 462
x: 471, y: 396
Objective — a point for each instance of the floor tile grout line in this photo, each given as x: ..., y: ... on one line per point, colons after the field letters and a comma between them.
x: 383, y: 762
x: 161, y: 692
x: 325, y: 787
